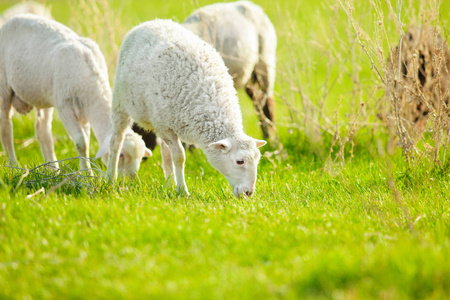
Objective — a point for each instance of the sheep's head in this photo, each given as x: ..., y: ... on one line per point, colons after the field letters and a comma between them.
x: 237, y: 160
x: 131, y: 154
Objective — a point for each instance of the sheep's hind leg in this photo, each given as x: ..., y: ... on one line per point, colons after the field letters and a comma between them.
x: 260, y: 90
x: 43, y: 128
x: 78, y: 135
x: 6, y: 126
x: 178, y: 158
x: 167, y: 163
x: 264, y: 107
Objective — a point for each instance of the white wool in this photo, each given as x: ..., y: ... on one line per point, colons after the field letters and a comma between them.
x: 44, y: 64
x: 191, y: 92
x: 170, y: 81
x: 244, y: 36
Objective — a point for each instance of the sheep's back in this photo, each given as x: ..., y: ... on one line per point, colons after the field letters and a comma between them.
x: 168, y: 78
x: 232, y: 34
x: 43, y: 60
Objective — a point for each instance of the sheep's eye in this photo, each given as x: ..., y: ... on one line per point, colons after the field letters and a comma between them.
x: 240, y: 162
x: 121, y: 155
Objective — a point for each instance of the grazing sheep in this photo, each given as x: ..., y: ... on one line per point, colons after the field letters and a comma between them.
x: 46, y: 65
x: 247, y: 42
x: 170, y: 81
x: 29, y: 7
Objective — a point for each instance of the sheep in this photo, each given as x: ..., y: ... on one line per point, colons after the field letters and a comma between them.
x: 170, y: 81
x: 44, y: 64
x: 247, y: 42
x: 30, y: 7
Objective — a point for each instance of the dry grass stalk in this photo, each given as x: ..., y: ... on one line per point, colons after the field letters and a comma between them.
x: 415, y: 76
x: 342, y: 140
x: 399, y: 78
x: 309, y: 106
x: 41, y: 190
x: 44, y: 174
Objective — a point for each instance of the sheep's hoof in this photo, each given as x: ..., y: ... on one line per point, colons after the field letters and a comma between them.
x: 171, y: 181
x: 89, y: 172
x: 12, y: 163
x: 111, y: 176
x: 183, y: 193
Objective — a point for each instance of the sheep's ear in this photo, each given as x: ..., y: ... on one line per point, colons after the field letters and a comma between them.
x: 259, y: 143
x: 224, y: 145
x: 147, y: 152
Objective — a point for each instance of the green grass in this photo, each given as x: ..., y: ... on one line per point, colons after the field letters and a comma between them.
x: 305, y: 234
x: 372, y: 227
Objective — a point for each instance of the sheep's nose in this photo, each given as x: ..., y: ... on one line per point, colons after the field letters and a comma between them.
x: 248, y: 193
x: 242, y: 192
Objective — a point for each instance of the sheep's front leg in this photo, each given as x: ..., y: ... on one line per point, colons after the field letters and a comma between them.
x: 121, y: 121
x: 178, y: 158
x: 6, y: 127
x: 78, y: 135
x: 43, y: 128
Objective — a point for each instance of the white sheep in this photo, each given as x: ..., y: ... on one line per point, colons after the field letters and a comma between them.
x: 170, y: 81
x: 28, y: 7
x: 247, y: 42
x: 46, y: 65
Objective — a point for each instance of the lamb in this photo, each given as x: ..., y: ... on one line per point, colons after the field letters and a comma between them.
x: 44, y: 64
x: 247, y: 42
x: 30, y: 7
x: 170, y: 81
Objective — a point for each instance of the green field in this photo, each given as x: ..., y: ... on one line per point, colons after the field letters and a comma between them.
x: 341, y: 212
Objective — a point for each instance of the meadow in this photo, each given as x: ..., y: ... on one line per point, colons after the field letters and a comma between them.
x: 345, y: 209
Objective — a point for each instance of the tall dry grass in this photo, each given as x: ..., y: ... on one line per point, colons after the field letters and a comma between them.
x: 98, y: 20
x: 414, y: 75
x: 352, y: 78
x: 322, y: 83
x: 355, y: 71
